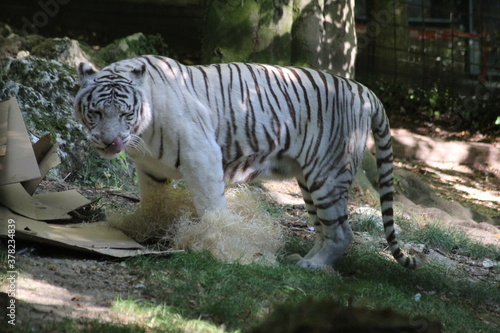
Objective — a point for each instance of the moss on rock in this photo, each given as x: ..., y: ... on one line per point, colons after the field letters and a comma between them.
x: 259, y: 33
x: 65, y: 50
x: 133, y: 46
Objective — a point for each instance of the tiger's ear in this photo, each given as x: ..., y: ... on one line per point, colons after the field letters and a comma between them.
x: 138, y: 73
x: 86, y: 73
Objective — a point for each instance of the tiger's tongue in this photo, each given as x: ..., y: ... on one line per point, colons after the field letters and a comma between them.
x: 116, y: 146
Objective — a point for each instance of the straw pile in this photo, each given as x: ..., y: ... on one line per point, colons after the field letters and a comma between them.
x: 242, y: 233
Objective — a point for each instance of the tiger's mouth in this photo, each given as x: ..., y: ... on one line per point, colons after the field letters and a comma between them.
x: 113, y: 149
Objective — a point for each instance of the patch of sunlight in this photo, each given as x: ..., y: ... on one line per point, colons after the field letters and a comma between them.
x: 161, y: 317
x: 473, y: 190
x: 45, y: 298
x: 480, y: 195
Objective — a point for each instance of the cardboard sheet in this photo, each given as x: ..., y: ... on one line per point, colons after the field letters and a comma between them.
x: 46, y: 155
x: 96, y: 238
x: 24, y: 166
x: 19, y: 164
x: 45, y: 207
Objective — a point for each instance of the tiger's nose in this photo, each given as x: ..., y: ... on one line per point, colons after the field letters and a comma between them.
x: 115, y: 147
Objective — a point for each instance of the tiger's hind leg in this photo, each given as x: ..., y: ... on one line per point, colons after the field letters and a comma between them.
x: 330, y: 202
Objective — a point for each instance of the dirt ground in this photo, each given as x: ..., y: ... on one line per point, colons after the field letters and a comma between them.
x: 52, y: 288
x: 57, y: 284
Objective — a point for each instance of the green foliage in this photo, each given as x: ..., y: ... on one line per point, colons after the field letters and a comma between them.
x: 123, y: 163
x: 400, y: 98
x: 439, y: 104
x: 100, y: 173
x: 3, y: 263
x: 296, y: 245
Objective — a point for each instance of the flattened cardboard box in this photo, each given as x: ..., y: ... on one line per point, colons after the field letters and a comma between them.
x: 22, y: 167
x: 95, y: 238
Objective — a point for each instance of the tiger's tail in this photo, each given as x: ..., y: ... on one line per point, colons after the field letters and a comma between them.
x: 383, y: 146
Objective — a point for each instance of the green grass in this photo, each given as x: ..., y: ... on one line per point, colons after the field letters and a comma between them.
x: 161, y: 317
x: 446, y: 238
x: 371, y: 224
x: 100, y: 173
x: 196, y: 283
x: 239, y: 296
x: 451, y: 239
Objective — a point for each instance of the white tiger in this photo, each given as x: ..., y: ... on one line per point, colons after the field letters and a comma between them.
x: 235, y: 122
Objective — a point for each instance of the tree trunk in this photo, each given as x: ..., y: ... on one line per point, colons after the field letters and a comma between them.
x: 324, y: 36
x: 248, y: 31
x: 314, y: 33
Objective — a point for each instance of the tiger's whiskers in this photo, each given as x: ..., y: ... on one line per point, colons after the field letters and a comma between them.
x: 137, y: 143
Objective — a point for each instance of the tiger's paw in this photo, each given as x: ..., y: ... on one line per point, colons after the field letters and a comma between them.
x: 303, y: 262
x: 310, y: 264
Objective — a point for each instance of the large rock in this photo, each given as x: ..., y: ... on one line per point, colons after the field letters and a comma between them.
x: 65, y: 50
x: 12, y: 43
x: 418, y: 147
x: 15, y: 44
x: 413, y: 192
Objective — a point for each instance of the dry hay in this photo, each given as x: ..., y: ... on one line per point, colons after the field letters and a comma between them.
x: 155, y: 215
x: 242, y: 233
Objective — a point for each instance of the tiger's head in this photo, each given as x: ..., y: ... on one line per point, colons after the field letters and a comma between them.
x: 112, y: 106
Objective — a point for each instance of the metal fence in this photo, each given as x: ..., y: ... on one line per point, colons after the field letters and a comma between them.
x: 454, y: 44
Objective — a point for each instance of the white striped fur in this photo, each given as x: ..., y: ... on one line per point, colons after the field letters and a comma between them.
x: 236, y: 122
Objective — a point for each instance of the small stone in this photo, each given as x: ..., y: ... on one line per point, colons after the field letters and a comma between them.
x: 414, y: 248
x: 487, y: 263
x: 23, y: 54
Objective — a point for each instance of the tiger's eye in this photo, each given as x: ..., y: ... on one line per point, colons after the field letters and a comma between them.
x: 95, y: 113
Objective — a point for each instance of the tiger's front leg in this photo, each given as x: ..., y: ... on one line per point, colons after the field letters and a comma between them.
x: 203, y: 172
